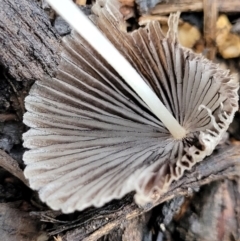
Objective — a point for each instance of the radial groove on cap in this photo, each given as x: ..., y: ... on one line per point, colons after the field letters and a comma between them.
x: 92, y: 139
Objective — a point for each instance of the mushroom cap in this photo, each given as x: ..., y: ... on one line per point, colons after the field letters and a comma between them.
x: 92, y: 139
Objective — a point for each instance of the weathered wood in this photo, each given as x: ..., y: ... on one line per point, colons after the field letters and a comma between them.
x: 29, y: 46
x: 194, y: 5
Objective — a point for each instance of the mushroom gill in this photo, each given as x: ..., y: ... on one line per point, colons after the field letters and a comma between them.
x: 92, y: 138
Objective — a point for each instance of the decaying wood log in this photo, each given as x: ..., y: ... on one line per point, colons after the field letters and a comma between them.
x: 29, y: 45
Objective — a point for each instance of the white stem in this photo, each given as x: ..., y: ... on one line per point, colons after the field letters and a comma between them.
x: 69, y: 11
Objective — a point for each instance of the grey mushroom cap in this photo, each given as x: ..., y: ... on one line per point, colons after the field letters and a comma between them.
x: 92, y: 139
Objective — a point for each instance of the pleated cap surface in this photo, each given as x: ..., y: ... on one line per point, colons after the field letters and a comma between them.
x: 92, y: 139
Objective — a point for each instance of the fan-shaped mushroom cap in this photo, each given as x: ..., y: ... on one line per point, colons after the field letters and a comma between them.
x: 92, y: 139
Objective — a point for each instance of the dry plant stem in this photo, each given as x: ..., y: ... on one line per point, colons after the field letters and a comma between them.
x: 9, y: 164
x: 194, y: 5
x: 210, y: 19
x: 87, y: 30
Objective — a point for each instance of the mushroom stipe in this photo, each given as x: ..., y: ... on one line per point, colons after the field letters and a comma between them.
x: 92, y: 138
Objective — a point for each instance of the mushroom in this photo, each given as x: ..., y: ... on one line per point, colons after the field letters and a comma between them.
x: 92, y: 138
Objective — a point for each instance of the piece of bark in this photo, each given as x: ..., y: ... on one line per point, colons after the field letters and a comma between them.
x: 193, y: 5
x: 92, y: 224
x: 29, y: 46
